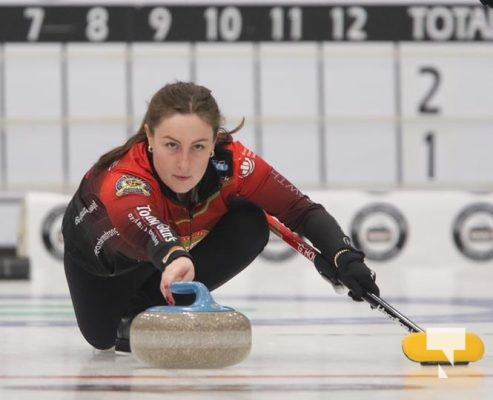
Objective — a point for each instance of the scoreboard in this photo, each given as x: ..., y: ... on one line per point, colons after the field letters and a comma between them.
x: 334, y: 94
x: 245, y: 23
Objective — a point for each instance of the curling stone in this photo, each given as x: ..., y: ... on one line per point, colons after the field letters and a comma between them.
x: 201, y: 335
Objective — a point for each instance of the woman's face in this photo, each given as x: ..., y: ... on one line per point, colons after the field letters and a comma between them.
x: 181, y: 147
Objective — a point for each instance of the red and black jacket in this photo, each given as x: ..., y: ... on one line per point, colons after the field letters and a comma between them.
x: 125, y: 214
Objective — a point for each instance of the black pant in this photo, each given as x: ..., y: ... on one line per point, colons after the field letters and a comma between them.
x: 100, y: 302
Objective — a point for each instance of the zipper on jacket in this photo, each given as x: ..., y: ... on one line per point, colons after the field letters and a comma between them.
x: 190, y: 210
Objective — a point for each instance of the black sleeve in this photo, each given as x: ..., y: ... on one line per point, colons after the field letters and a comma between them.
x: 324, y: 232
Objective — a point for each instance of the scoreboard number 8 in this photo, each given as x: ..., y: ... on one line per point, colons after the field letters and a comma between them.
x: 97, y: 24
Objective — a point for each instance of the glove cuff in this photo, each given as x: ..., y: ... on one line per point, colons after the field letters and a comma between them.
x: 345, y: 256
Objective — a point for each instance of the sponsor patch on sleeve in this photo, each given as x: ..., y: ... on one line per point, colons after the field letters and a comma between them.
x: 246, y: 167
x: 129, y: 184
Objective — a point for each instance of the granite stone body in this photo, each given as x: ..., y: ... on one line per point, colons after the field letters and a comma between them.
x: 203, y: 335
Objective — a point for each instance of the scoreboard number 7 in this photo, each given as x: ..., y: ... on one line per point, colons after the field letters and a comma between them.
x: 36, y: 15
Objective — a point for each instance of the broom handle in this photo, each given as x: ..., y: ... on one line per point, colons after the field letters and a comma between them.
x: 302, y: 247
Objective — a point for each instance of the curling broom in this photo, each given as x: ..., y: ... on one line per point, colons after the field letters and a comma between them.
x: 414, y: 345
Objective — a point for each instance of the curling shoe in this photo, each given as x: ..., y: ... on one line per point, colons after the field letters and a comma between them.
x: 122, y: 343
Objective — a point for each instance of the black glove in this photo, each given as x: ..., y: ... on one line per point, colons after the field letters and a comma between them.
x: 354, y: 273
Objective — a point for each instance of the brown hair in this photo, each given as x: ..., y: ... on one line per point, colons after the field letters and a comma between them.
x: 174, y: 98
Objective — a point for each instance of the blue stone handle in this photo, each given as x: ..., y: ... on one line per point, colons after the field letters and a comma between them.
x: 203, y: 299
